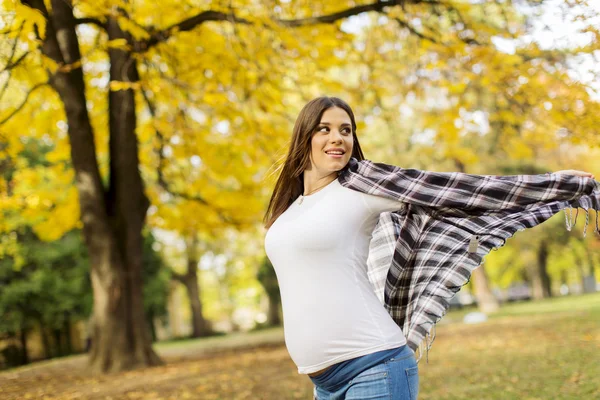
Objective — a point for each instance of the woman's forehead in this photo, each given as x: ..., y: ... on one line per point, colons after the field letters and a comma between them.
x: 335, y: 115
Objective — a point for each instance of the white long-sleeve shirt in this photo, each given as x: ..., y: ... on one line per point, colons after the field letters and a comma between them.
x: 319, y: 250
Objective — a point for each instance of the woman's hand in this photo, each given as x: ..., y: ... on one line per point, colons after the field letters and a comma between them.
x: 575, y: 173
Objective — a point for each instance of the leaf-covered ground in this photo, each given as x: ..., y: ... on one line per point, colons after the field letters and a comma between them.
x: 543, y: 350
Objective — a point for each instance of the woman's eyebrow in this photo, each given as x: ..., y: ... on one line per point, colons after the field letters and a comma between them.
x: 327, y: 123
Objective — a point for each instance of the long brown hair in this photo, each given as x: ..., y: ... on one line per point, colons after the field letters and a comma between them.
x: 290, y: 183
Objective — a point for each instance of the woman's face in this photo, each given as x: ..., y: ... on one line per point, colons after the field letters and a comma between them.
x: 331, y: 144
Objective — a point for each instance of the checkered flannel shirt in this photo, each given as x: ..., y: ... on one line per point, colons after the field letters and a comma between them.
x: 423, y: 253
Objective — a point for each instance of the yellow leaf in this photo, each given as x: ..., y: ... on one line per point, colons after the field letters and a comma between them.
x: 120, y: 44
x: 119, y: 85
x: 129, y: 26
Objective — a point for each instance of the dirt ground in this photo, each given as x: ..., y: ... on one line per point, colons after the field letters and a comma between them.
x: 264, y: 372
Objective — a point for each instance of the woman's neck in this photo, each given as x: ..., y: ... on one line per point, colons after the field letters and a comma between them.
x: 313, y: 183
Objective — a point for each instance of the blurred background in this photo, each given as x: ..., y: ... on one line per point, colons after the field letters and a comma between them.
x: 140, y: 143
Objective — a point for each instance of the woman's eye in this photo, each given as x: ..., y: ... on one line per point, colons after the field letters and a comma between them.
x: 345, y: 131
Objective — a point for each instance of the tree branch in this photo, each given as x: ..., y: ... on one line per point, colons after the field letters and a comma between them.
x: 10, y: 64
x: 412, y: 30
x: 328, y: 19
x: 91, y: 21
x: 16, y: 110
x: 205, y: 16
x: 187, y: 25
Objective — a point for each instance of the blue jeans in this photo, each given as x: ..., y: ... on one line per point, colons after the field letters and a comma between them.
x: 394, y: 379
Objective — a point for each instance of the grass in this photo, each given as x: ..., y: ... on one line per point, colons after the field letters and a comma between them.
x: 546, y: 349
x: 536, y: 350
x: 209, y: 345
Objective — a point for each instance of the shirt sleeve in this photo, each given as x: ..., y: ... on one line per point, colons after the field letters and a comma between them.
x: 460, y: 194
x: 378, y: 204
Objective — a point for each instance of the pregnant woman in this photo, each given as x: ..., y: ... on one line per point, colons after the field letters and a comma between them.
x: 367, y: 255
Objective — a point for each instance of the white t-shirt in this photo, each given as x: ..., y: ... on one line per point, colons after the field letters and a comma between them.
x: 319, y: 251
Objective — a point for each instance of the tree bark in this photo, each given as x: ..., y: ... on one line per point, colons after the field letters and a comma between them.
x: 68, y: 338
x: 24, y: 351
x: 591, y: 276
x: 45, y: 341
x: 268, y: 279
x: 200, y: 326
x: 541, y: 285
x: 274, y: 315
x: 486, y: 300
x: 112, y: 220
x: 58, y: 342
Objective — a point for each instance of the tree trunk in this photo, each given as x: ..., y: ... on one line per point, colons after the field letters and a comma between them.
x: 274, y: 316
x: 112, y: 220
x: 486, y: 300
x: 150, y: 321
x: 200, y: 326
x: 58, y: 343
x: 45, y: 341
x: 540, y: 280
x: 68, y: 338
x: 579, y: 265
x: 591, y: 275
x: 268, y: 279
x: 24, y: 352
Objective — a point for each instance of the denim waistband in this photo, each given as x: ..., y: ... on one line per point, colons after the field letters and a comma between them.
x: 339, y: 374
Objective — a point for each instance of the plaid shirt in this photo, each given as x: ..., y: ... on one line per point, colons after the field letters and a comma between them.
x: 423, y: 253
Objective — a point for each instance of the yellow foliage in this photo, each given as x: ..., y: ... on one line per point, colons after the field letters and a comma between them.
x: 120, y: 44
x: 29, y: 19
x: 119, y: 85
x: 225, y: 96
x: 130, y: 26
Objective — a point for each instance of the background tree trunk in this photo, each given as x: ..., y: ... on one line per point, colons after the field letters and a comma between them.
x: 24, y: 351
x: 540, y: 280
x: 591, y: 276
x: 58, y: 343
x: 486, y: 300
x: 200, y: 326
x: 45, y: 341
x: 68, y: 338
x: 274, y: 314
x: 268, y: 279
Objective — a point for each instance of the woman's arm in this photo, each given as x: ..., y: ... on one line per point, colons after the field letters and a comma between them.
x: 463, y: 194
x: 575, y: 173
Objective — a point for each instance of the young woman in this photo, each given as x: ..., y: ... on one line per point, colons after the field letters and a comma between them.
x: 321, y: 219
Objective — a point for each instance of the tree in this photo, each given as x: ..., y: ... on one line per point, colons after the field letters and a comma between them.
x: 156, y: 276
x: 200, y: 326
x: 268, y: 279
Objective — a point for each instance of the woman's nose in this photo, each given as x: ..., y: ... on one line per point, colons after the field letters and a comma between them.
x: 336, y: 136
